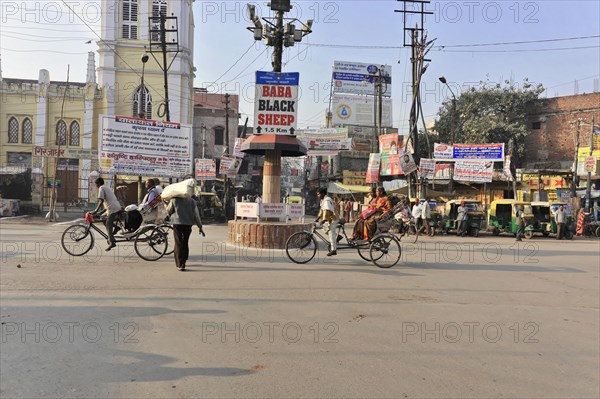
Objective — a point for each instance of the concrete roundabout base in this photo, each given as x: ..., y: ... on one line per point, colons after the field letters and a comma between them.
x: 249, y: 233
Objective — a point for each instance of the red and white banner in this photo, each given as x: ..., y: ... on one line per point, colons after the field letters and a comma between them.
x: 229, y: 166
x: 473, y: 171
x: 238, y: 147
x: 206, y: 169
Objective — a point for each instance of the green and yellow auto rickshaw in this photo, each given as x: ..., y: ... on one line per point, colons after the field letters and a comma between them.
x: 541, y: 219
x: 474, y: 220
x: 502, y: 216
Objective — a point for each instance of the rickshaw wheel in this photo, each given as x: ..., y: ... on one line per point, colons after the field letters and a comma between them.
x: 495, y: 231
x: 529, y: 234
x: 569, y: 235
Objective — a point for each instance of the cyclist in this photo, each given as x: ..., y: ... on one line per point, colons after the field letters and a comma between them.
x: 330, y: 218
x: 108, y: 200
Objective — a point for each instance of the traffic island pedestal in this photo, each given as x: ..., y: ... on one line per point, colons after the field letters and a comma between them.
x: 249, y: 233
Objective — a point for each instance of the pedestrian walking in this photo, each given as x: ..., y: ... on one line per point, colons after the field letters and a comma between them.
x: 461, y: 218
x: 184, y: 214
x: 426, y: 215
x: 520, y: 223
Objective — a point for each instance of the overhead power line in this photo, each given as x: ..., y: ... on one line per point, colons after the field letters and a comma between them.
x: 367, y: 47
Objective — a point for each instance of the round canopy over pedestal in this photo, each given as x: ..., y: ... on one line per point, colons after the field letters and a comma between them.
x: 289, y: 146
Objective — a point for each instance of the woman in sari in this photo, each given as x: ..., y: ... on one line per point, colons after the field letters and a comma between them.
x: 359, y: 226
x: 382, y: 205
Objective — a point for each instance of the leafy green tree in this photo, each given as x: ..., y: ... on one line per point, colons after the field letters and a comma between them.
x: 491, y: 114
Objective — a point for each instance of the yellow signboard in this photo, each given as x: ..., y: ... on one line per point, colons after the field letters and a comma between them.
x: 353, y: 178
x: 548, y: 182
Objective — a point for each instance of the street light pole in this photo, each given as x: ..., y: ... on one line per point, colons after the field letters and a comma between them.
x: 452, y: 129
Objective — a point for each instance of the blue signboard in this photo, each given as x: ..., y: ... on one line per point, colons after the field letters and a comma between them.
x: 488, y: 152
x: 277, y: 78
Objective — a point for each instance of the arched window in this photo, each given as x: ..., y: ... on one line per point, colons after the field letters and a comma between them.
x: 13, y: 130
x: 142, y: 103
x: 219, y: 135
x: 61, y: 133
x: 74, y: 134
x: 27, y: 131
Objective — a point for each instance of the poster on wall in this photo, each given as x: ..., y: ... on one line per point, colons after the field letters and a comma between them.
x: 389, y: 147
x: 206, y: 169
x: 229, y: 166
x: 407, y: 163
x: 142, y: 147
x: 237, y: 148
x: 373, y: 168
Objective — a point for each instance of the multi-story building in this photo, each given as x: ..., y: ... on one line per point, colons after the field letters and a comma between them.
x: 49, y: 129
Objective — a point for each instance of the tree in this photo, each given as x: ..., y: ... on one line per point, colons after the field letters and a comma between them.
x: 491, y: 114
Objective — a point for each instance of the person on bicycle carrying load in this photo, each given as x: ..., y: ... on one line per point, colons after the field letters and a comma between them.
x: 329, y: 217
x: 112, y: 206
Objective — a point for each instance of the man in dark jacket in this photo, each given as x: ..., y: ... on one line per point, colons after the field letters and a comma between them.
x: 184, y: 214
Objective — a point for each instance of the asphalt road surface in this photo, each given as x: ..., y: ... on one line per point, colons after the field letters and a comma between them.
x: 472, y: 318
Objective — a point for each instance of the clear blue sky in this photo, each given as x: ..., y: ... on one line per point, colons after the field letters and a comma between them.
x: 221, y: 39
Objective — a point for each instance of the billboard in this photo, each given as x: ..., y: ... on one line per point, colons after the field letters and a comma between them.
x: 482, y: 152
x: 358, y: 78
x: 142, y: 147
x: 275, y: 104
x: 349, y: 109
x: 473, y: 171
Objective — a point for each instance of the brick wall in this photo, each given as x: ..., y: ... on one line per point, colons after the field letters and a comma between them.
x: 554, y: 139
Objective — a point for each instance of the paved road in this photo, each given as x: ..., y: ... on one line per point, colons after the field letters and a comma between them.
x: 480, y: 318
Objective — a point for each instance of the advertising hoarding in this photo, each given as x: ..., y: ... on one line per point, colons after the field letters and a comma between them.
x: 142, y: 147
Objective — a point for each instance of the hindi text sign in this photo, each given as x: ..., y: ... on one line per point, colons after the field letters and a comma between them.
x: 275, y: 104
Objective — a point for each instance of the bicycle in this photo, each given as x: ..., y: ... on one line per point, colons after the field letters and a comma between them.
x: 80, y: 203
x: 302, y: 246
x: 149, y: 242
x: 167, y: 229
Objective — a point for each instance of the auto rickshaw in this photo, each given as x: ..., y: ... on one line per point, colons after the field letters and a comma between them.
x: 210, y: 206
x: 474, y: 216
x: 540, y: 221
x: 502, y: 217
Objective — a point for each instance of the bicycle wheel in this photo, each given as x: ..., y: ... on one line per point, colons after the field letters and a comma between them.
x: 411, y: 233
x: 598, y: 231
x: 301, y: 247
x: 167, y: 229
x: 363, y: 251
x: 150, y: 244
x: 77, y: 240
x: 385, y: 250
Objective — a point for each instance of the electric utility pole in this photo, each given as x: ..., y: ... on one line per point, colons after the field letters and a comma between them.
x: 419, y: 47
x: 574, y: 185
x: 164, y: 41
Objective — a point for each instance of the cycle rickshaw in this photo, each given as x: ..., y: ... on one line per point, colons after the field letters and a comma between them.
x: 383, y: 249
x: 149, y: 241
